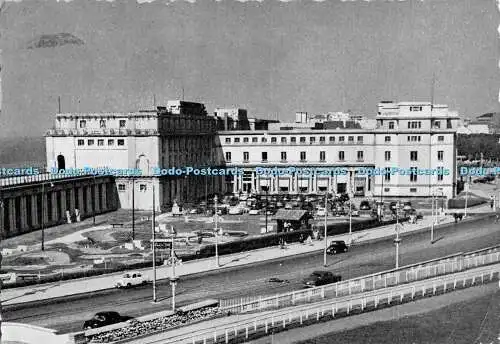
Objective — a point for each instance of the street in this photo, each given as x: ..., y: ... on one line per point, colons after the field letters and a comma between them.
x: 253, y: 280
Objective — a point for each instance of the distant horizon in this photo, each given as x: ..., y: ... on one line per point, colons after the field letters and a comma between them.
x: 272, y: 58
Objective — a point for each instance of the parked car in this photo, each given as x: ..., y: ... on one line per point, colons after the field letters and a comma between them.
x: 407, y: 206
x: 321, y: 212
x: 318, y: 278
x: 236, y: 210
x: 131, y: 279
x: 254, y: 212
x: 337, y: 247
x: 365, y: 205
x: 289, y: 206
x: 102, y: 319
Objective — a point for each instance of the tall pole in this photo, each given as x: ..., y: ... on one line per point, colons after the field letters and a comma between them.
x: 466, y: 196
x: 173, y: 279
x: 432, y: 220
x: 216, y: 230
x: 43, y: 213
x: 326, y: 229
x: 154, y: 245
x: 267, y: 201
x: 397, y: 240
x: 350, y: 219
x: 133, y: 208
x: 93, y: 201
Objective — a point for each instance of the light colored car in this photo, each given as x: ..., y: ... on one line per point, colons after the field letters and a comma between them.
x: 321, y: 212
x: 131, y: 279
x: 254, y: 212
x: 236, y: 211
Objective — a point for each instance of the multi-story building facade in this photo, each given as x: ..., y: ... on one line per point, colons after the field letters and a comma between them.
x: 407, y: 135
x: 178, y: 135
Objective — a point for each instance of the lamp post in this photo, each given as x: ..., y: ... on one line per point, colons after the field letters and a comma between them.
x: 93, y: 201
x: 432, y: 219
x: 397, y: 241
x: 173, y: 278
x: 216, y: 233
x: 326, y: 229
x: 43, y: 213
x: 154, y: 245
x: 133, y: 208
x: 466, y: 197
x: 350, y: 217
x: 267, y: 202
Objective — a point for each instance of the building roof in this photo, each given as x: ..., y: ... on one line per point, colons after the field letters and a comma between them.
x: 292, y: 215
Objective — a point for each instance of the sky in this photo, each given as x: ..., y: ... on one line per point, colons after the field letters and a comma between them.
x: 272, y: 57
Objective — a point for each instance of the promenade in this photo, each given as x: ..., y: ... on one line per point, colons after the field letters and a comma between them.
x: 92, y: 284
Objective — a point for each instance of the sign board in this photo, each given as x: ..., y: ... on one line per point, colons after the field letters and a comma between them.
x: 163, y: 245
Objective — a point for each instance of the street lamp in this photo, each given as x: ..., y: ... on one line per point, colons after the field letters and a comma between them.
x: 96, y: 194
x: 173, y: 278
x: 154, y: 245
x: 397, y: 241
x: 216, y: 233
x: 133, y: 208
x: 466, y: 197
x: 43, y: 213
x: 326, y: 232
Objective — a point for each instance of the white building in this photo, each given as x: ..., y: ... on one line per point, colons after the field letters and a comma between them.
x: 178, y: 135
x: 407, y: 135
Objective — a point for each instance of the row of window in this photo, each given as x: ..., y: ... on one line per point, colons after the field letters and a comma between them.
x: 100, y: 142
x: 302, y: 139
x: 341, y: 156
x: 413, y: 177
x: 123, y: 187
x: 303, y: 156
x: 312, y: 139
x: 418, y: 124
x: 102, y: 123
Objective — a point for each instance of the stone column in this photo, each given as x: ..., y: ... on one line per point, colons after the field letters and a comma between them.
x: 62, y: 209
x: 330, y: 186
x: 2, y: 220
x: 45, y: 208
x: 23, y: 214
x: 97, y: 199
x: 235, y: 184
x: 55, y: 212
x: 34, y: 211
x: 72, y: 200
x: 80, y: 199
x: 252, y: 189
x: 349, y: 181
x: 12, y: 216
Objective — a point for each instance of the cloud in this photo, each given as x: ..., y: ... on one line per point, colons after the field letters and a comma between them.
x: 54, y: 40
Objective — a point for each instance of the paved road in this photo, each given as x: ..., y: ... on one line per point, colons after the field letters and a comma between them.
x: 361, y: 260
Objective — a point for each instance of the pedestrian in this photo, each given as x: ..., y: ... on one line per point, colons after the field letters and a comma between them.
x: 497, y: 217
x: 491, y: 204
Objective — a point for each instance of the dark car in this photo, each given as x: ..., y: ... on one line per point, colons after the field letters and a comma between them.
x: 337, y: 247
x: 318, y: 278
x: 364, y: 205
x: 103, y: 319
x: 393, y: 206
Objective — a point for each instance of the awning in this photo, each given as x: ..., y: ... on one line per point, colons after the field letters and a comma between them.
x: 323, y: 182
x: 303, y: 183
x: 284, y: 182
x: 292, y: 215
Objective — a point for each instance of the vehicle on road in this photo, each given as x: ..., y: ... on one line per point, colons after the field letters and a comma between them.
x: 102, y: 319
x: 131, y: 279
x: 254, y: 212
x: 337, y: 246
x: 318, y: 278
x: 236, y: 210
x: 407, y: 206
x: 321, y: 212
x: 277, y: 280
x: 365, y: 205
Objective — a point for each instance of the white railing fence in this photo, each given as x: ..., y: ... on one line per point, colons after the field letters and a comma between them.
x: 263, y: 324
x: 385, y: 279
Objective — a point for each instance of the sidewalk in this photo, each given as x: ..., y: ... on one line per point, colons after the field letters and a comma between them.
x: 92, y: 284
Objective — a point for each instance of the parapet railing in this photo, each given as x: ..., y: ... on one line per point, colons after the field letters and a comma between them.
x: 263, y: 324
x: 410, y: 273
x: 37, y: 178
